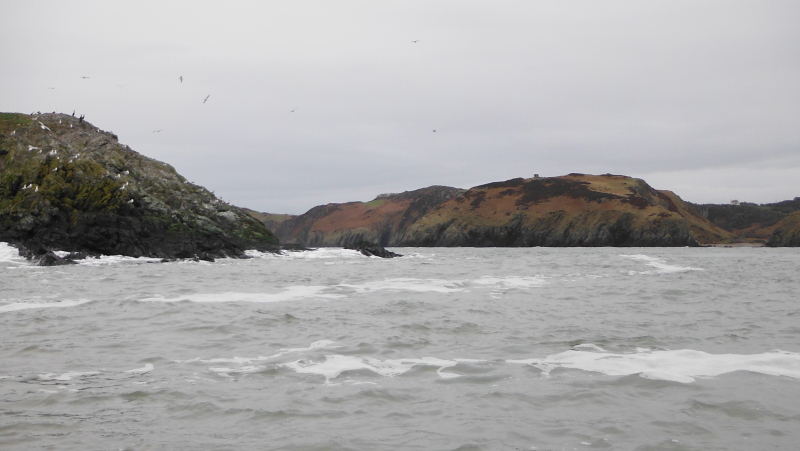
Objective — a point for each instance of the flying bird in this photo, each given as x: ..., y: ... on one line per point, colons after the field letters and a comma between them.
x: 294, y: 110
x: 204, y: 100
x: 181, y: 78
x: 84, y: 77
x: 414, y: 42
x: 157, y: 131
x: 434, y: 131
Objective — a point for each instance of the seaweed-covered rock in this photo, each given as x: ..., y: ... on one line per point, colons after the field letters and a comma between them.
x: 67, y: 185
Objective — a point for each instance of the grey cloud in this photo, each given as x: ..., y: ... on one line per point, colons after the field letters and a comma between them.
x: 670, y: 90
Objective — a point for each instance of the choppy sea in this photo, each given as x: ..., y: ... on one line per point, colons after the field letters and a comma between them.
x: 443, y: 349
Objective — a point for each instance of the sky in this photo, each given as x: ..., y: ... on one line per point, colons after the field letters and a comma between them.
x: 285, y: 105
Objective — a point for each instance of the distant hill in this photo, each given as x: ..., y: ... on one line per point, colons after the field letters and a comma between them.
x: 571, y: 210
x: 67, y: 185
x: 787, y: 232
x: 748, y: 221
x: 378, y: 221
x: 271, y: 220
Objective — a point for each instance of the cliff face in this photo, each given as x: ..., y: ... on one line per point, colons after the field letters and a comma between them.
x: 380, y: 221
x: 787, y: 232
x: 65, y: 184
x: 573, y: 210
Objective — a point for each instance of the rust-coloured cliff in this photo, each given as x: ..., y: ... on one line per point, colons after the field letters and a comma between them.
x: 571, y: 210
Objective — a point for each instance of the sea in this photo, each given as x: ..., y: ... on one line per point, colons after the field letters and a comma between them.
x: 441, y: 349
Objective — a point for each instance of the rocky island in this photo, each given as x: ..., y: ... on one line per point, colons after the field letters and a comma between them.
x: 67, y: 185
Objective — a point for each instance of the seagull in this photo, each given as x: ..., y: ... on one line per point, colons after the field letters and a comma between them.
x: 181, y: 78
x: 157, y: 131
x: 84, y: 77
x: 414, y: 42
x: 434, y: 131
x: 294, y: 110
x: 204, y: 100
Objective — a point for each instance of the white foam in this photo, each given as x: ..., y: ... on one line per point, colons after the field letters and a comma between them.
x: 679, y: 366
x: 289, y: 294
x: 240, y: 370
x: 66, y: 376
x: 512, y: 281
x: 106, y: 260
x: 148, y: 367
x: 408, y: 284
x: 319, y: 344
x: 323, y: 253
x: 594, y: 346
x: 661, y: 267
x: 9, y: 254
x: 14, y: 306
x: 334, y: 365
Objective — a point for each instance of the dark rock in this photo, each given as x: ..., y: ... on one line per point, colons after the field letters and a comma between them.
x: 371, y: 249
x: 51, y: 259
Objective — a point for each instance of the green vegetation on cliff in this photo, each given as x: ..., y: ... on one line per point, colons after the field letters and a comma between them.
x: 787, y: 232
x: 747, y: 221
x: 66, y: 184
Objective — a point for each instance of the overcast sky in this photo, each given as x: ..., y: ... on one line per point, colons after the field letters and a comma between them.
x: 699, y: 97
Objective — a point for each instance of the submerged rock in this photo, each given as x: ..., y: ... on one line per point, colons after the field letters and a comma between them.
x: 371, y: 249
x: 67, y: 185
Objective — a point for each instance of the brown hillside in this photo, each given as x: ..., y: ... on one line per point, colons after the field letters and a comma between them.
x: 787, y: 232
x: 572, y: 210
x: 378, y: 220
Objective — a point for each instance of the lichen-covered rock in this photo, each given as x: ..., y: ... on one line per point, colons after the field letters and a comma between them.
x: 67, y: 185
x: 787, y: 232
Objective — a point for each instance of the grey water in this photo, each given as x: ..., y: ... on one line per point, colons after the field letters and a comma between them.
x: 443, y: 349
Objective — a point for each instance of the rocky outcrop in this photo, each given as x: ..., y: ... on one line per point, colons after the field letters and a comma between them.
x: 372, y: 250
x: 572, y: 210
x: 787, y: 232
x: 67, y: 185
